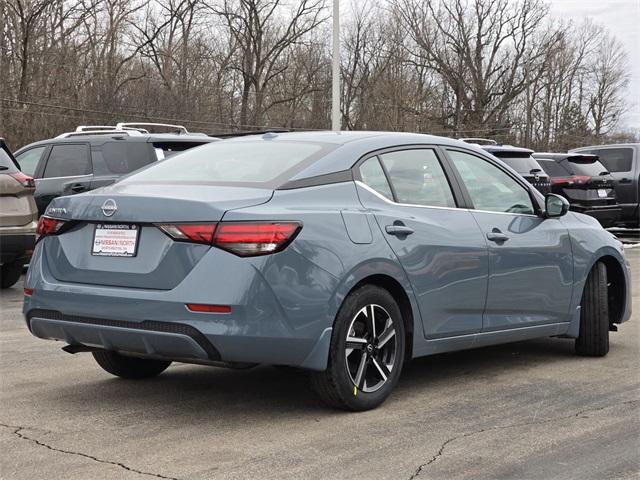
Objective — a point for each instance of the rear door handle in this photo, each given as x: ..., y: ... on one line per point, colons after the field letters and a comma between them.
x: 79, y: 187
x: 497, y: 237
x: 625, y: 180
x: 398, y: 230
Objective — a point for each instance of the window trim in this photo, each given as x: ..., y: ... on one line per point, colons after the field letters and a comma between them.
x: 41, y: 171
x: 538, y: 211
x: 457, y: 193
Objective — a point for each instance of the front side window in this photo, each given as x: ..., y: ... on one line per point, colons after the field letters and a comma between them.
x: 616, y: 159
x: 68, y: 161
x: 29, y: 160
x: 418, y: 178
x: 489, y: 187
x: 373, y: 175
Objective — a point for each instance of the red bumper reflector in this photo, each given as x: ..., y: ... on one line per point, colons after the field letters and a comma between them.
x: 28, y: 292
x: 198, y: 307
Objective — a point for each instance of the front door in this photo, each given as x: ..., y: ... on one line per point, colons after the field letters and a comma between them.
x: 440, y: 247
x: 530, y: 259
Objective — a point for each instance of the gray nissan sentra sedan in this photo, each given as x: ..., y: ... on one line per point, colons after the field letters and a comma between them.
x: 345, y: 254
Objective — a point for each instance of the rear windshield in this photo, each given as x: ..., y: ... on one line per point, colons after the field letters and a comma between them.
x: 249, y: 163
x: 520, y: 162
x: 593, y: 168
x: 6, y: 164
x: 553, y: 168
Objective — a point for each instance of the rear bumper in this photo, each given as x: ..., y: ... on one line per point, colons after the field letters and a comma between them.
x: 261, y: 327
x: 16, y: 245
x: 606, y: 215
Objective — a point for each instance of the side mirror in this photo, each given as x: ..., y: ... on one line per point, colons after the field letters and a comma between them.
x: 555, y: 206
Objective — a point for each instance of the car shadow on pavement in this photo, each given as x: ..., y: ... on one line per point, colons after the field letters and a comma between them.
x: 190, y: 393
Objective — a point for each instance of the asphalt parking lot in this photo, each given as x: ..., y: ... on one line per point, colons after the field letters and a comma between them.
x: 530, y: 410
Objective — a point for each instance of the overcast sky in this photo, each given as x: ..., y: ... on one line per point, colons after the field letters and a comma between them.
x: 622, y: 18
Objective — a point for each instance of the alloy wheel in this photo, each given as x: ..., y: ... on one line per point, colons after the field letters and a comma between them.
x: 371, y: 348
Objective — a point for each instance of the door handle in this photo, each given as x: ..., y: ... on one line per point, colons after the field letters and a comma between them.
x: 398, y: 230
x: 78, y: 188
x: 497, y: 236
x: 625, y: 180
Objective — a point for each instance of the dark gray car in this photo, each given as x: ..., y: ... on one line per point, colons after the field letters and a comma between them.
x: 623, y: 161
x: 345, y: 254
x: 95, y: 156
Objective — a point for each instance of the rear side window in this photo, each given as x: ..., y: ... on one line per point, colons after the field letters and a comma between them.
x: 251, y: 163
x: 553, y: 168
x: 29, y: 160
x: 68, y: 161
x: 373, y: 175
x: 417, y: 178
x: 6, y: 163
x: 125, y: 157
x: 616, y: 159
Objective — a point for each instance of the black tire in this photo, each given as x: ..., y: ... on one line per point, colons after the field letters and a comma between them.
x: 593, y: 340
x: 10, y: 273
x: 336, y: 385
x: 129, y: 367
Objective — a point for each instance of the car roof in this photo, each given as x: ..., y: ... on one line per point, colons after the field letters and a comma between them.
x: 610, y: 145
x: 347, y: 147
x: 559, y: 157
x: 505, y: 149
x: 143, y: 137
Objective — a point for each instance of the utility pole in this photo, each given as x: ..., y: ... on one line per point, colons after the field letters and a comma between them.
x: 335, y: 70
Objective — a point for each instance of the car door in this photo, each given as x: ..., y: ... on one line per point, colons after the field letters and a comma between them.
x: 530, y: 259
x: 619, y: 162
x: 67, y: 170
x: 440, y: 247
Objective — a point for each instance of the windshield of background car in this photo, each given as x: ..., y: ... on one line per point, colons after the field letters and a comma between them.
x: 248, y: 163
x: 6, y: 163
x: 520, y: 162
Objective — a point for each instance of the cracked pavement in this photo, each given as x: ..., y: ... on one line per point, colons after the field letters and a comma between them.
x: 530, y: 410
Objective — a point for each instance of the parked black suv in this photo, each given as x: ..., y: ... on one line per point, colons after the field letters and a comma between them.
x: 519, y: 159
x: 585, y: 182
x: 623, y: 161
x: 95, y: 156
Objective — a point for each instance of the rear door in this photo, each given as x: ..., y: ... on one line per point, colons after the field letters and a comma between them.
x: 531, y: 263
x: 113, y: 159
x: 619, y: 161
x: 439, y: 245
x: 67, y: 170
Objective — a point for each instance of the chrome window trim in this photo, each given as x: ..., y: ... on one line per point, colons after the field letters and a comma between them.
x: 385, y: 199
x: 68, y: 176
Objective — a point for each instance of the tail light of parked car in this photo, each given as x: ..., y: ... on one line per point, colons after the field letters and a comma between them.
x: 48, y: 226
x: 25, y: 180
x: 245, y: 239
x: 573, y: 180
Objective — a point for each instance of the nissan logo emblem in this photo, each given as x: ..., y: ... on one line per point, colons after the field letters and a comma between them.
x: 109, y: 207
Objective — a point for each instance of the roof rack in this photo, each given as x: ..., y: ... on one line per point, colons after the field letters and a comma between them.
x: 129, y: 125
x: 480, y: 141
x: 129, y: 132
x: 84, y: 128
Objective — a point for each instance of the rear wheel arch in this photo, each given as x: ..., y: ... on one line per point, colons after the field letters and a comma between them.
x: 399, y: 294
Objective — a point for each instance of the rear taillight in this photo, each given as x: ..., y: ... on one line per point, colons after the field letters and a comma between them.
x: 25, y: 180
x: 48, y: 226
x: 189, y: 232
x: 245, y: 239
x: 573, y: 180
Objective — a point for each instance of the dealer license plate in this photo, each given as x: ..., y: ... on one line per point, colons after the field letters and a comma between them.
x: 111, y: 240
